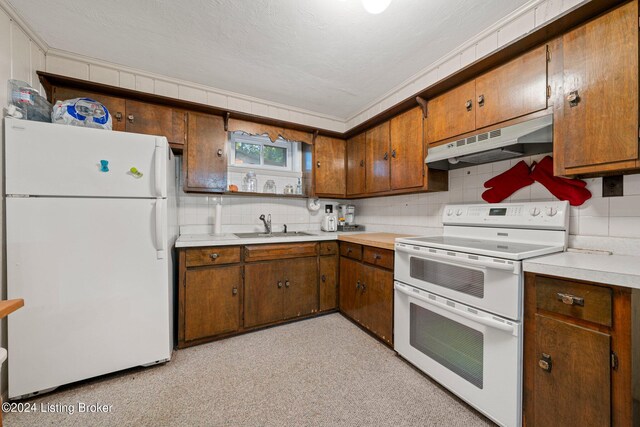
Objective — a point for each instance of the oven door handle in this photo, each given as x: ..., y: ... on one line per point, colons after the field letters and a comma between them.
x: 513, y: 329
x: 471, y: 262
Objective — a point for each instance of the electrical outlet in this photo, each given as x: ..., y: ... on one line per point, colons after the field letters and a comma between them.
x: 612, y: 186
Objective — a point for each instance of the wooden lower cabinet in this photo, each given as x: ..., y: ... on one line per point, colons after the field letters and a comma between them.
x: 213, y: 301
x: 581, y: 353
x: 366, y: 296
x: 280, y: 290
x: 328, y: 282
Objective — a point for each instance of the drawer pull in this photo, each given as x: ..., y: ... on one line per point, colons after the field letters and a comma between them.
x: 377, y: 256
x: 545, y: 362
x: 213, y: 256
x: 348, y: 250
x: 570, y: 299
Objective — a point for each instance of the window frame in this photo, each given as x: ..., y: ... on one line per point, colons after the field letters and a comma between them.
x: 262, y: 140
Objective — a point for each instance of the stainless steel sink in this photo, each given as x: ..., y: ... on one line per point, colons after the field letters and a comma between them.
x: 276, y: 234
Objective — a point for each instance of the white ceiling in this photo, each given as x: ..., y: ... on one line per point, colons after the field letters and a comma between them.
x: 326, y: 56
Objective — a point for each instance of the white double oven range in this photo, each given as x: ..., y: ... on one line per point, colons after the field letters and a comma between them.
x: 458, y: 304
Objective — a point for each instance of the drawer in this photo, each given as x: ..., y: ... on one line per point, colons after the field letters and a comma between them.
x: 277, y: 251
x: 580, y: 300
x: 351, y: 250
x: 378, y: 256
x: 328, y: 248
x: 212, y: 256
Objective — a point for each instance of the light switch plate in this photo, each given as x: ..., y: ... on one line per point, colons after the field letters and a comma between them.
x: 612, y: 186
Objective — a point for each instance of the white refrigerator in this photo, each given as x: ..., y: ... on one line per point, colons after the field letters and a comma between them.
x: 89, y: 248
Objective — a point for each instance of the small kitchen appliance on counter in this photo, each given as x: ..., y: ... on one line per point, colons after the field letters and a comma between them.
x: 329, y: 222
x: 347, y: 218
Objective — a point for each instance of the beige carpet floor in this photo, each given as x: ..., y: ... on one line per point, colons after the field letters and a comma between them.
x: 318, y: 372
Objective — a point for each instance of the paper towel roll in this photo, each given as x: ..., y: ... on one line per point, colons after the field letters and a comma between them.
x: 217, y: 228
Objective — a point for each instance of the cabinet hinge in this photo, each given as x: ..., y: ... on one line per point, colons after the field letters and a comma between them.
x: 548, y: 54
x: 614, y: 361
x: 548, y: 91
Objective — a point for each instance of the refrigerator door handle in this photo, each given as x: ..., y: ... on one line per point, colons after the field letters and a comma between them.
x: 161, y: 151
x: 161, y: 238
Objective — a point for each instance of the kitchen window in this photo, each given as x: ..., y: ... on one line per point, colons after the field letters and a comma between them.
x: 259, y: 152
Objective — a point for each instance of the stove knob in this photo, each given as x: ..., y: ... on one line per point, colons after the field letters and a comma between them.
x: 449, y: 212
x: 459, y: 212
x: 551, y: 211
x: 534, y: 211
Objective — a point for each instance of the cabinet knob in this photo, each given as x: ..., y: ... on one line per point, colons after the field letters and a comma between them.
x: 318, y: 164
x: 219, y: 152
x: 323, y: 278
x: 286, y: 283
x: 234, y: 291
x: 468, y: 105
x: 213, y: 256
x: 481, y: 100
x: 393, y: 154
x: 279, y: 285
x: 386, y: 156
x: 570, y: 299
x: 130, y: 118
x: 118, y: 116
x: 377, y: 256
x: 545, y: 363
x: 361, y: 163
x: 573, y: 98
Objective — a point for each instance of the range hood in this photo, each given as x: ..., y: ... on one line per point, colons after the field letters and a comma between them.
x: 523, y: 139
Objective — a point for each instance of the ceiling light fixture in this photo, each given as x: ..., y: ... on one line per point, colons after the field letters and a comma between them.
x: 375, y: 6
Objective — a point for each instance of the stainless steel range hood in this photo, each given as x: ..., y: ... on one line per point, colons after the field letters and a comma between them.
x: 523, y: 139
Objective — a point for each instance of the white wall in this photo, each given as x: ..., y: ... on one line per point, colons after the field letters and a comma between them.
x: 20, y: 57
x: 611, y: 223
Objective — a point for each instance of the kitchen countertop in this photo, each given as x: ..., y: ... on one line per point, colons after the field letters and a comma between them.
x: 378, y: 240
x: 620, y: 270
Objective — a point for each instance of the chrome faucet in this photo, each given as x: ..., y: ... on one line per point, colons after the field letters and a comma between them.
x: 267, y: 223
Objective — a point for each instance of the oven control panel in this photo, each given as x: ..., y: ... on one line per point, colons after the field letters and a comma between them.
x: 545, y: 215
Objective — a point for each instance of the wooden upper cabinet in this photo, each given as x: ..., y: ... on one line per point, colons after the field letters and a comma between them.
x: 599, y: 132
x: 330, y: 174
x: 407, y: 152
x: 514, y: 89
x: 205, y: 159
x: 115, y: 106
x: 452, y: 113
x: 356, y: 159
x: 377, y: 158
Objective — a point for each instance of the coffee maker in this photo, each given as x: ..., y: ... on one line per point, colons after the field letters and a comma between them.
x: 347, y: 218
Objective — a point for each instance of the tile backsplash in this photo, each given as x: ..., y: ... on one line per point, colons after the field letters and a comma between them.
x: 600, y: 223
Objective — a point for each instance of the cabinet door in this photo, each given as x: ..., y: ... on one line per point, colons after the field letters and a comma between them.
x: 205, y: 161
x: 349, y: 286
x: 330, y: 167
x: 514, y: 89
x: 378, y: 302
x: 212, y: 301
x: 328, y: 282
x: 452, y: 113
x: 149, y: 119
x: 179, y: 127
x: 115, y: 106
x: 356, y: 165
x: 377, y: 159
x: 576, y: 388
x: 301, y: 286
x: 407, y: 153
x: 263, y: 293
x: 601, y: 68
